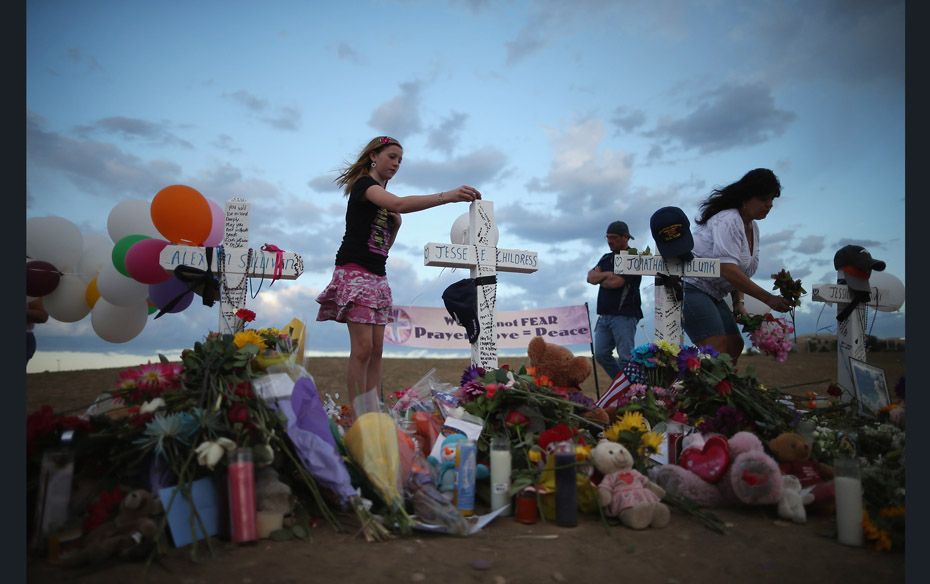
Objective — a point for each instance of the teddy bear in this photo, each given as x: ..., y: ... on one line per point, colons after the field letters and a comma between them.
x: 713, y: 471
x: 792, y: 453
x: 565, y: 371
x: 626, y: 493
x: 131, y: 534
x: 793, y: 499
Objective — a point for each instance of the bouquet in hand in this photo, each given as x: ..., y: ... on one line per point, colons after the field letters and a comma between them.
x: 790, y: 289
x: 772, y: 337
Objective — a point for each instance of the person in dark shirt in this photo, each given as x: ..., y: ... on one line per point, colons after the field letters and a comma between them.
x: 618, y: 304
x: 359, y: 294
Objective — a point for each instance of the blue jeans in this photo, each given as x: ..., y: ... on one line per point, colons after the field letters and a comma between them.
x: 611, y: 332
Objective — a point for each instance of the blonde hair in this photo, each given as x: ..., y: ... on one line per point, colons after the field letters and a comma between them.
x: 362, y: 165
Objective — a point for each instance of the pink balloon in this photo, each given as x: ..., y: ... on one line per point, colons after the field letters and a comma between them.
x: 142, y: 261
x: 218, y: 225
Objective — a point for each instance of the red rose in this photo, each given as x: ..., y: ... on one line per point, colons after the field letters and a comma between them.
x: 245, y: 314
x: 680, y: 417
x: 724, y: 387
x: 558, y: 433
x: 237, y: 413
x: 244, y: 389
x: 515, y: 418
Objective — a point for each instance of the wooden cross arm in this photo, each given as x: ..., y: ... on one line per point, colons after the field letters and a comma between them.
x: 236, y: 260
x: 840, y: 294
x: 456, y: 255
x: 648, y: 265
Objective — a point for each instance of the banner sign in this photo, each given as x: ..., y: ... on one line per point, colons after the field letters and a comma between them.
x: 433, y: 328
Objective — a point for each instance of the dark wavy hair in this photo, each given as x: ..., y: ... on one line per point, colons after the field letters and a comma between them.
x: 759, y: 182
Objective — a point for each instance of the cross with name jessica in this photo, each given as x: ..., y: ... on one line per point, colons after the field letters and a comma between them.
x: 234, y: 262
x: 850, y: 331
x: 482, y: 256
x: 667, y: 305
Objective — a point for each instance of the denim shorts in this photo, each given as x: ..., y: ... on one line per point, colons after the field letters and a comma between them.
x: 705, y: 316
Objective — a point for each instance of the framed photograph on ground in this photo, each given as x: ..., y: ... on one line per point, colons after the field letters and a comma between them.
x: 869, y: 383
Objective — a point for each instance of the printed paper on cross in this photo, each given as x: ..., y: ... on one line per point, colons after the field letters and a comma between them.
x: 850, y: 331
x: 234, y: 262
x: 667, y: 306
x: 483, y: 258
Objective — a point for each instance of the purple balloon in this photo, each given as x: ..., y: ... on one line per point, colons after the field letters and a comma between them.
x: 162, y: 294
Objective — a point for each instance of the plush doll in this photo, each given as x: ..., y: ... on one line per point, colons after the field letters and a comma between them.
x: 793, y: 456
x: 130, y: 535
x: 626, y: 493
x: 713, y: 471
x: 791, y: 505
x: 444, y: 469
x: 564, y: 370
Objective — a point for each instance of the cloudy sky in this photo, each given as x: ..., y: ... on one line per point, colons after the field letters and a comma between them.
x: 567, y: 115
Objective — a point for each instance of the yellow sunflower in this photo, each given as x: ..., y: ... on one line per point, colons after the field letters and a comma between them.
x: 248, y: 337
x: 649, y: 443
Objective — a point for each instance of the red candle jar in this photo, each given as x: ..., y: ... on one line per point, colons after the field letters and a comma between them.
x: 242, y: 520
x: 526, y: 510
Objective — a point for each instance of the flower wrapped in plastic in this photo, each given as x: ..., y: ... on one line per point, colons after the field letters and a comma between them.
x: 772, y: 337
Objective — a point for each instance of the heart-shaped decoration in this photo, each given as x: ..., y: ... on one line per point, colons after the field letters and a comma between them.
x: 627, y: 477
x: 709, y: 462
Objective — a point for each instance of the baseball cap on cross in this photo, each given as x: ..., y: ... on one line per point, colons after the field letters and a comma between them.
x: 461, y: 300
x: 857, y: 265
x: 671, y: 231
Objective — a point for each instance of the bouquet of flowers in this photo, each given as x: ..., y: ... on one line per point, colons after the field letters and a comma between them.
x: 634, y: 432
x: 772, y: 337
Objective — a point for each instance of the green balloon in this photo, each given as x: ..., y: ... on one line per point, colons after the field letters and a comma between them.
x: 121, y: 249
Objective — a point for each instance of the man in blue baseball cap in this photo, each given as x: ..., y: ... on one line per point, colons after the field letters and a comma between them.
x: 619, y: 307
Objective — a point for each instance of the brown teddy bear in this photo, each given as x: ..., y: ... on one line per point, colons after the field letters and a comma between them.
x: 793, y: 456
x: 565, y: 371
x: 131, y: 534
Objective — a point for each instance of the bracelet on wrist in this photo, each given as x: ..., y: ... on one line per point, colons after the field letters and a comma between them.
x: 440, y: 197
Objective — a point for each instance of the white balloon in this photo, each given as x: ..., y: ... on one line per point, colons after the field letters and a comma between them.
x: 117, y: 289
x: 459, y: 232
x: 118, y: 324
x: 131, y: 217
x: 67, y: 302
x: 98, y: 250
x: 754, y: 306
x: 54, y: 240
x: 891, y: 291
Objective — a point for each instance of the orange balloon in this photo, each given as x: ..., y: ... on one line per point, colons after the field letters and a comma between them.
x: 182, y: 215
x: 91, y: 294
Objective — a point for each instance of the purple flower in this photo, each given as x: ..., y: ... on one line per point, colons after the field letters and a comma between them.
x: 581, y: 399
x: 728, y: 420
x: 710, y: 351
x: 688, y: 360
x: 473, y: 372
x: 471, y: 390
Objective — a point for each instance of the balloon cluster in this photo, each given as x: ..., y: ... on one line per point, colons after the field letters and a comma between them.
x: 119, y: 281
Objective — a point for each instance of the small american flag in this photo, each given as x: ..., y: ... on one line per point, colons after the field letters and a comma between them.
x: 616, y: 390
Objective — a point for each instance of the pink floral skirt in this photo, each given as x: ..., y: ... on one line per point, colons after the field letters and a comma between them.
x: 356, y: 295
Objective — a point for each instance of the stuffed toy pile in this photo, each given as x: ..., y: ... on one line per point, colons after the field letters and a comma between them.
x: 713, y: 471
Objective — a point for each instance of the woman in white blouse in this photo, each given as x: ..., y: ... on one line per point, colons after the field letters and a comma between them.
x: 727, y: 230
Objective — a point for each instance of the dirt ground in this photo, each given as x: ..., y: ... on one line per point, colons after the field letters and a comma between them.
x: 758, y: 547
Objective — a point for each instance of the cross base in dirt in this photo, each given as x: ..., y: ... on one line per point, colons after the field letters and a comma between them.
x: 234, y: 262
x: 667, y: 304
x: 484, y: 259
x: 850, y: 331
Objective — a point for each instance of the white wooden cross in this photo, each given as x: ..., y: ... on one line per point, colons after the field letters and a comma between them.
x: 850, y: 332
x: 668, y: 307
x: 233, y: 262
x: 484, y: 258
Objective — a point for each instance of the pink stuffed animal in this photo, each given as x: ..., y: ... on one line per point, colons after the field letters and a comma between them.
x: 721, y: 471
x: 624, y: 492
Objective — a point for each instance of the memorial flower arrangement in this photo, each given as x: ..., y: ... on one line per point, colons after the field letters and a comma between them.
x: 170, y: 424
x: 702, y: 386
x: 879, y: 446
x: 770, y: 334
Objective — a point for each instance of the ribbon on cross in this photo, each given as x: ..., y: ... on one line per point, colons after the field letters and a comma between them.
x: 278, y: 260
x: 204, y: 283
